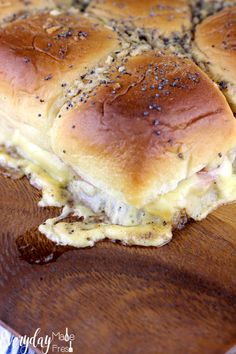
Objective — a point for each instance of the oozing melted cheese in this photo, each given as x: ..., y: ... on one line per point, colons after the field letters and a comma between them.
x: 60, y: 187
x: 100, y: 215
x: 86, y: 233
x: 45, y: 171
x: 199, y: 194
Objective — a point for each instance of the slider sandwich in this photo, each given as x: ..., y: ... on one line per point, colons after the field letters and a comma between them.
x: 215, y: 50
x: 132, y: 146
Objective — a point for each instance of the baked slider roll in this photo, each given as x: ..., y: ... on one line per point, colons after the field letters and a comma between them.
x: 121, y: 145
x: 215, y: 43
x: 42, y: 61
x: 45, y: 60
x: 150, y: 149
x: 11, y: 9
x: 164, y: 22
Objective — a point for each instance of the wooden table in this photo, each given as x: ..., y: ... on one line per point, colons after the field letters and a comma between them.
x: 178, y: 299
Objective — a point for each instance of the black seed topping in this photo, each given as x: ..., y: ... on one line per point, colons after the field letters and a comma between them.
x: 26, y: 60
x: 82, y: 34
x: 157, y: 107
x: 65, y: 34
x: 164, y: 81
x: 175, y: 82
x: 166, y: 41
x: 155, y: 122
x: 193, y: 77
x: 62, y: 53
x: 223, y: 85
x: 146, y: 114
x: 48, y: 77
x: 180, y: 156
x: 142, y: 37
x: 157, y: 132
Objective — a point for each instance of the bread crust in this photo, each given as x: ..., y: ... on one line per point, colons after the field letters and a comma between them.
x: 165, y: 16
x: 158, y: 122
x: 215, y: 45
x: 40, y: 59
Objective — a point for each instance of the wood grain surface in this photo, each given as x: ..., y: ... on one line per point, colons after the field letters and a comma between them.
x: 178, y: 299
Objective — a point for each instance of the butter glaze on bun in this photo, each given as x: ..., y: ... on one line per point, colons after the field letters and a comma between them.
x: 132, y: 142
x: 40, y: 59
x: 215, y: 47
x: 160, y: 121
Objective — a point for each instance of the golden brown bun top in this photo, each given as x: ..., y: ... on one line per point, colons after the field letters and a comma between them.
x: 40, y: 59
x: 164, y: 15
x: 215, y: 38
x: 155, y: 124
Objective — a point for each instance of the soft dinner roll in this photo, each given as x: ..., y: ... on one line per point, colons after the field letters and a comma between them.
x: 40, y: 59
x: 164, y: 16
x: 130, y: 141
x: 215, y: 48
x: 158, y: 122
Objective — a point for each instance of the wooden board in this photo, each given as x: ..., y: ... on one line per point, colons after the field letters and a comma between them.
x: 177, y: 299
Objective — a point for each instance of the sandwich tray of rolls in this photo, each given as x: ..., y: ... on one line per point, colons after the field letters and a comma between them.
x: 118, y: 137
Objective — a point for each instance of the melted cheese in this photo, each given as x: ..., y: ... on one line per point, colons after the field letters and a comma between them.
x: 86, y: 234
x: 45, y: 173
x: 46, y: 160
x: 98, y: 201
x: 199, y: 194
x: 54, y: 192
x: 105, y: 217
